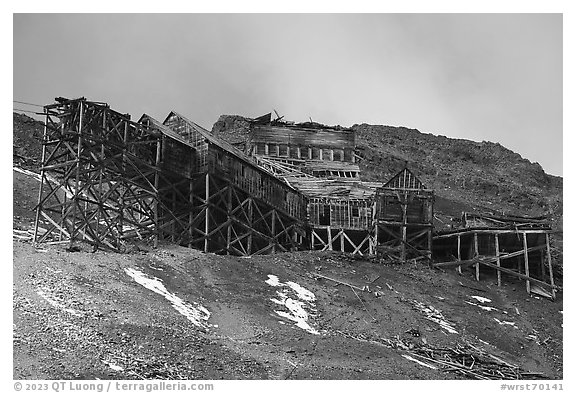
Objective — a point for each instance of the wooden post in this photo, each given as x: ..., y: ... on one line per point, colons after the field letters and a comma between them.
x: 476, y: 255
x: 430, y: 246
x: 273, y: 228
x: 156, y: 186
x: 526, y: 267
x: 329, y: 237
x: 174, y: 222
x: 549, y: 255
x: 376, y: 239
x: 542, y: 267
x: 190, y: 213
x: 312, y: 236
x: 342, y: 239
x: 251, y: 220
x: 38, y: 208
x: 404, y: 224
x: 207, y: 201
x: 229, y: 218
x: 459, y: 255
x: 497, y: 246
x: 77, y: 187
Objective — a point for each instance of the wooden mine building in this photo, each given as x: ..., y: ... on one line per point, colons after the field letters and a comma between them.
x: 344, y: 212
x: 107, y: 179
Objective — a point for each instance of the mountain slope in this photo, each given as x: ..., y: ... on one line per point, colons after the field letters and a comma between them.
x: 173, y: 312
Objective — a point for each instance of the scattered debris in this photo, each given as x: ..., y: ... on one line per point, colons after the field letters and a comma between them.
x: 340, y: 282
x: 419, y: 362
x: 467, y: 359
x: 56, y: 302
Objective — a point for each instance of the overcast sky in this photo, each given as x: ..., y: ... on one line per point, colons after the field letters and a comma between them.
x: 493, y: 77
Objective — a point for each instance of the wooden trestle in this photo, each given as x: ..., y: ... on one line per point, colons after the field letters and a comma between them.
x: 106, y: 179
x: 523, y: 253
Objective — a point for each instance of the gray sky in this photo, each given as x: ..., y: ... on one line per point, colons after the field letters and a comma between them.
x: 493, y: 77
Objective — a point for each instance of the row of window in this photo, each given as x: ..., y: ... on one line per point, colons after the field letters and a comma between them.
x: 327, y: 173
x: 299, y: 152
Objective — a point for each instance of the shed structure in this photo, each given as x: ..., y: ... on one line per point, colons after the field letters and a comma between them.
x: 511, y: 246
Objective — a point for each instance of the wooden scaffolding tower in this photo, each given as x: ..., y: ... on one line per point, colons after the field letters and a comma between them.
x: 106, y: 179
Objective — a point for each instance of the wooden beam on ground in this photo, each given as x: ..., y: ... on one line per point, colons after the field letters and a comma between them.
x: 338, y: 281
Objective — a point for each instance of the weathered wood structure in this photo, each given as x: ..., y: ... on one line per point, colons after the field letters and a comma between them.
x: 106, y: 179
x: 403, y: 221
x: 340, y: 214
x: 311, y: 148
x: 516, y: 247
x: 345, y: 213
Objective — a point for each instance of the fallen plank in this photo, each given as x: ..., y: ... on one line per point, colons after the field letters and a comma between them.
x: 338, y: 281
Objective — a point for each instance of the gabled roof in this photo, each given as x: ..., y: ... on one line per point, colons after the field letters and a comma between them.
x: 405, y: 179
x: 163, y: 129
x: 334, y: 188
x: 222, y: 144
x: 210, y: 137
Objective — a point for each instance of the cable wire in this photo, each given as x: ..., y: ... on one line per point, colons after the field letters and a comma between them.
x: 27, y: 103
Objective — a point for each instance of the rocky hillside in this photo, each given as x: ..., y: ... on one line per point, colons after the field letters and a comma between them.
x: 464, y: 174
x: 27, y: 134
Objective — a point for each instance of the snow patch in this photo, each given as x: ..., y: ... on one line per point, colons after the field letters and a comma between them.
x: 485, y: 308
x: 506, y: 323
x: 273, y: 280
x: 481, y: 299
x: 434, y: 315
x: 297, y: 307
x: 113, y: 366
x: 195, y: 313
